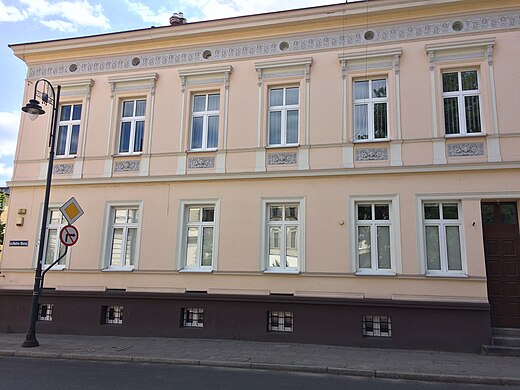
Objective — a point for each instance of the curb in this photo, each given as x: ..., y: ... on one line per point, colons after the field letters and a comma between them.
x: 344, y: 371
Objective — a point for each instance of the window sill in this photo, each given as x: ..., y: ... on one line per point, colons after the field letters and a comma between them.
x: 283, y: 272
x: 370, y: 141
x: 282, y: 146
x: 127, y: 154
x: 55, y: 268
x: 66, y: 157
x: 456, y: 274
x: 211, y: 150
x: 197, y: 270
x: 471, y: 135
x: 375, y: 273
x: 118, y: 269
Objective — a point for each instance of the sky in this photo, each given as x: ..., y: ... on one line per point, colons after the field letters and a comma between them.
x: 39, y: 20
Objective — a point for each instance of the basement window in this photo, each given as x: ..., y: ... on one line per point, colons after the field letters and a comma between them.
x: 192, y: 317
x: 280, y: 321
x: 45, y: 312
x: 112, y: 315
x: 377, y: 326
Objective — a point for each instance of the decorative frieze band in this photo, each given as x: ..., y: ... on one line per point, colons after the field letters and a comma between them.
x: 201, y: 162
x: 372, y: 154
x: 126, y: 166
x: 284, y: 158
x: 353, y: 38
x: 62, y: 169
x: 466, y: 149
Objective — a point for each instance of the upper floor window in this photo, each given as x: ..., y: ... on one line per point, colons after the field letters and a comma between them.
x: 442, y: 232
x: 132, y: 126
x: 461, y: 98
x: 283, y: 232
x: 124, y: 224
x: 370, y: 109
x: 284, y: 114
x: 199, y: 236
x: 205, y: 119
x: 68, y: 130
x: 56, y: 221
x: 373, y: 225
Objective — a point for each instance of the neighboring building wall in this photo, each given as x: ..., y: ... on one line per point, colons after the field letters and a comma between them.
x: 4, y: 204
x: 178, y: 213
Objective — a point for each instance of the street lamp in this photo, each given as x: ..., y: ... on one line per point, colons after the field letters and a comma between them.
x: 48, y: 95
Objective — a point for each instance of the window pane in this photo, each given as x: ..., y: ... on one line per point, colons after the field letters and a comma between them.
x: 208, y: 214
x: 76, y: 112
x: 275, y: 213
x: 65, y: 113
x: 472, y: 104
x: 274, y: 246
x: 382, y: 212
x: 139, y: 135
x: 124, y: 142
x: 131, y: 242
x: 361, y: 90
x: 361, y: 121
x: 431, y: 211
x: 62, y: 140
x: 212, y: 131
x: 488, y: 214
x: 507, y: 214
x: 291, y: 246
x: 276, y: 97
x: 196, y: 132
x: 292, y: 96
x: 292, y: 126
x: 52, y: 239
x: 192, y: 247
x: 450, y: 211
x: 453, y: 244
x: 379, y: 88
x: 469, y: 80
x: 120, y: 216
x: 383, y: 247
x: 214, y: 102
x: 55, y: 217
x: 74, y: 140
x: 433, y: 259
x: 450, y: 82
x: 364, y: 247
x: 380, y: 122
x: 194, y: 214
x: 291, y: 213
x: 451, y: 115
x: 364, y: 212
x: 117, y: 247
x: 133, y: 215
x: 140, y: 109
x: 199, y: 103
x: 207, y: 246
x: 128, y: 108
x: 275, y: 128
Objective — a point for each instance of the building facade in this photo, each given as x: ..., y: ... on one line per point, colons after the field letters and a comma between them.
x: 346, y: 174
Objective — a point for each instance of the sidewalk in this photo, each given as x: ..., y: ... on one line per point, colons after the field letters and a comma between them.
x: 377, y: 363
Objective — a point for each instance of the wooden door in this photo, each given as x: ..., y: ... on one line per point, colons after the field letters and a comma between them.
x: 501, y: 247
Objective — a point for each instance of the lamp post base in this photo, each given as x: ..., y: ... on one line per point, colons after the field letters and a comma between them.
x: 30, y: 341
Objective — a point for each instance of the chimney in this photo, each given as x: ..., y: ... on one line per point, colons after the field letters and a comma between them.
x: 177, y: 19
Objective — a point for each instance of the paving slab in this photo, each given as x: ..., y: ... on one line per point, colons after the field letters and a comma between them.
x: 368, y: 362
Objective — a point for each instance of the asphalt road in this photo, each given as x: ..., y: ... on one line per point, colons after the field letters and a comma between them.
x: 43, y: 374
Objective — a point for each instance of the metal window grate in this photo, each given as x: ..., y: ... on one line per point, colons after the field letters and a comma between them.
x: 377, y: 326
x: 113, y: 315
x: 280, y: 321
x: 45, y: 312
x: 193, y: 317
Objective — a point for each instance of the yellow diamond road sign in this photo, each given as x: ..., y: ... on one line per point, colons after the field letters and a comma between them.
x: 71, y: 210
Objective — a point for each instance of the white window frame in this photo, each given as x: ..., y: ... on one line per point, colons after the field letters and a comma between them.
x: 395, y: 234
x: 69, y: 123
x: 444, y: 271
x: 460, y: 95
x: 57, y: 249
x: 264, y: 242
x: 283, y: 109
x: 205, y: 115
x: 370, y: 102
x: 132, y: 120
x: 106, y: 254
x: 184, y: 206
